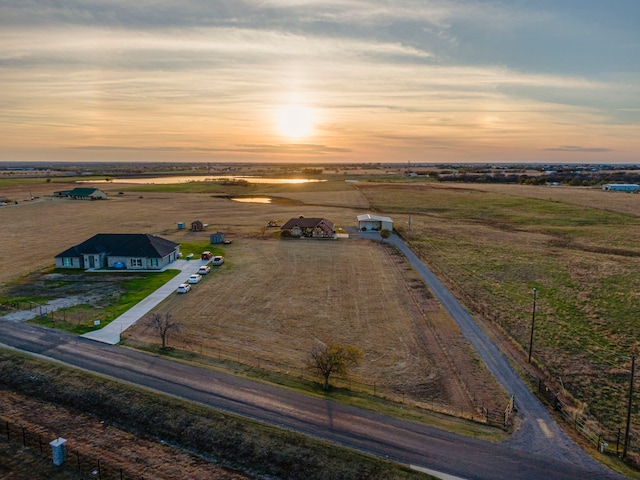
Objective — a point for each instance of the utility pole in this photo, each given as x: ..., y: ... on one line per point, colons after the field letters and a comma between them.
x: 533, y: 321
x: 627, y: 433
x: 409, y: 230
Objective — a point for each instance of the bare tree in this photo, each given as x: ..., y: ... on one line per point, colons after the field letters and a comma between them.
x: 162, y: 323
x: 330, y: 358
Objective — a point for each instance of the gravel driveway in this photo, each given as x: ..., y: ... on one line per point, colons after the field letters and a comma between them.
x: 538, y: 432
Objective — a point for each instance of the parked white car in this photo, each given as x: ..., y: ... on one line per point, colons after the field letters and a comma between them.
x: 183, y: 288
x: 195, y: 278
x: 204, y: 269
x: 218, y: 260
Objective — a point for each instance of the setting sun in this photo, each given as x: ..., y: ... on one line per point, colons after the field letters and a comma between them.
x: 295, y: 121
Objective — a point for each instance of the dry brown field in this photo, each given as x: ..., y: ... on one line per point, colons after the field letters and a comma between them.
x: 33, y: 232
x: 273, y: 298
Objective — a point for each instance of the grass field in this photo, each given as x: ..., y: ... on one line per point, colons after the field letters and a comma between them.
x: 495, y: 246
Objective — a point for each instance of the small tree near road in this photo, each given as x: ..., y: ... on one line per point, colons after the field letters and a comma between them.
x: 163, y: 324
x: 385, y: 233
x: 330, y: 358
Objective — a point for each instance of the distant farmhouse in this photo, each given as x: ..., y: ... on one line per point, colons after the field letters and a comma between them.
x: 127, y: 251
x: 374, y: 222
x: 622, y: 187
x: 309, y: 228
x: 82, y: 194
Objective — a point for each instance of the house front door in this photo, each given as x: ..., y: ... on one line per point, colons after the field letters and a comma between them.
x: 92, y: 261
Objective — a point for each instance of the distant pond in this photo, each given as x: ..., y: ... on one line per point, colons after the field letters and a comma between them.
x: 199, y: 178
x: 252, y: 199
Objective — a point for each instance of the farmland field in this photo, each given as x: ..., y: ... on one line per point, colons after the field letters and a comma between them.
x: 273, y: 298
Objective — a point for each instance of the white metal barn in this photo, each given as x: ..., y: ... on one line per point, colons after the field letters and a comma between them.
x: 368, y: 222
x: 622, y: 187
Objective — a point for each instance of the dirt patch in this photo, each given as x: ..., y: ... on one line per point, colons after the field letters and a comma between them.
x: 62, y: 291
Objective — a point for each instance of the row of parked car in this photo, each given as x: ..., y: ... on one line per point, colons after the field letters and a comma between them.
x: 203, y: 270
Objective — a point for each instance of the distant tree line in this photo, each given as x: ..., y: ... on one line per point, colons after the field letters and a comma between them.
x: 571, y: 178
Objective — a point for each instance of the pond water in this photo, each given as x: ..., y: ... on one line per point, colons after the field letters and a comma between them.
x: 201, y: 178
x: 252, y: 199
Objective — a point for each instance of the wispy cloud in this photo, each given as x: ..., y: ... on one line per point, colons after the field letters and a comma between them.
x: 575, y: 148
x: 281, y: 149
x: 469, y: 78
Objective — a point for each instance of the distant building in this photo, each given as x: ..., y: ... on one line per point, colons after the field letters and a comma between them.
x: 622, y: 187
x: 127, y: 251
x: 368, y: 222
x: 82, y: 194
x: 309, y: 227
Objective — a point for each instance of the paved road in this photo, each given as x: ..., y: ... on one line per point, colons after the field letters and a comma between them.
x: 398, y: 440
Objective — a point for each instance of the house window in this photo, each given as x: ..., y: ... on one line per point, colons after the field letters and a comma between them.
x: 67, y: 262
x: 136, y: 262
x: 154, y: 262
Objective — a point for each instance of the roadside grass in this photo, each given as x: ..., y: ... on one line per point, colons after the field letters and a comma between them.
x: 80, y: 319
x: 348, y: 396
x: 244, y: 444
x: 196, y: 249
x: 494, y: 249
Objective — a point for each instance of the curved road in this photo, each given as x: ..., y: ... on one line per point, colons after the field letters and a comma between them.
x: 398, y: 440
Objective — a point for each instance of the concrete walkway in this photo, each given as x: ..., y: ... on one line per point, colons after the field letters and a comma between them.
x: 111, y: 333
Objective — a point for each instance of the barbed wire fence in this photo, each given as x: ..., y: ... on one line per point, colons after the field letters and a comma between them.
x: 606, y: 439
x: 247, y: 359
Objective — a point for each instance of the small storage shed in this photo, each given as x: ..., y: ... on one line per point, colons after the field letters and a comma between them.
x: 368, y: 222
x: 217, y: 237
x: 198, y: 226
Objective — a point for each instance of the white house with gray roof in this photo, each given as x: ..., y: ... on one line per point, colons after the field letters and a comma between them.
x: 121, y: 251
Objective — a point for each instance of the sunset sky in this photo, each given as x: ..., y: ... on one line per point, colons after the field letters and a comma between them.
x: 320, y: 81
